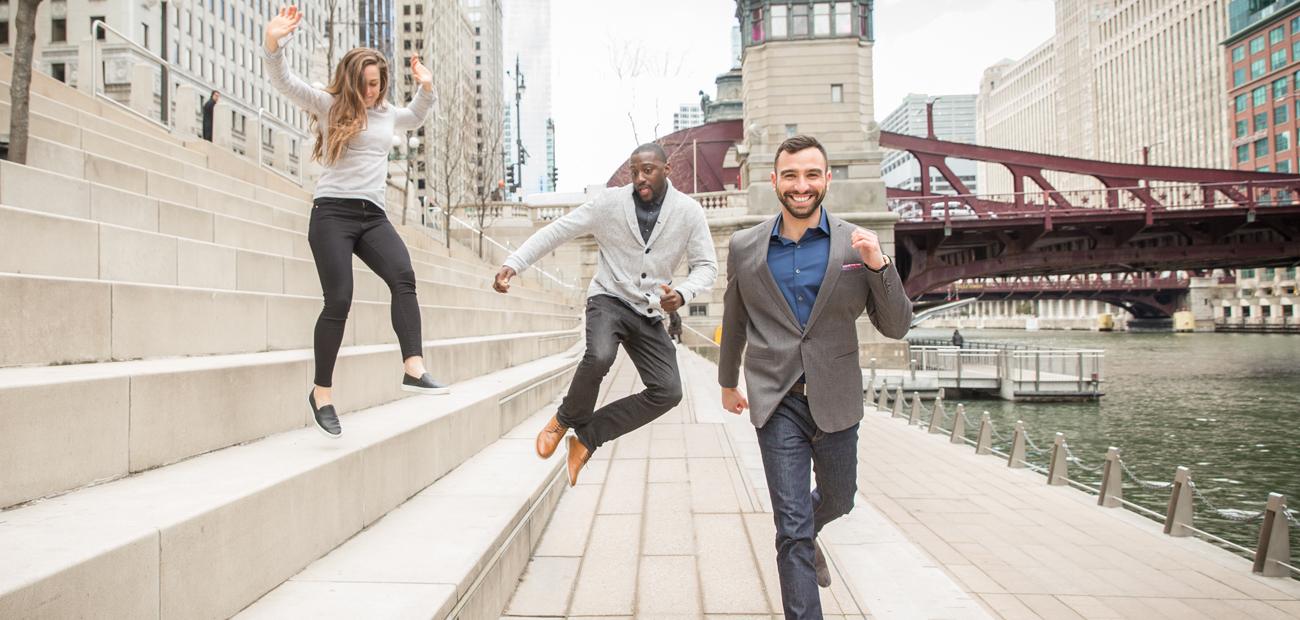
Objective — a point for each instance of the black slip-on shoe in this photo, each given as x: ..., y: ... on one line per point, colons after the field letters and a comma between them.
x: 424, y: 385
x: 327, y: 421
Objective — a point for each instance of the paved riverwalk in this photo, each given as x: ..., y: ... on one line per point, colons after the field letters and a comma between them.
x: 673, y: 521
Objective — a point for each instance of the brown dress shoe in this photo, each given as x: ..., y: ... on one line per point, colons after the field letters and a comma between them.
x: 548, y: 439
x: 578, y: 457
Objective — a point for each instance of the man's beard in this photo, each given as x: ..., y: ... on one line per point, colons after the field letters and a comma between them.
x: 801, y: 212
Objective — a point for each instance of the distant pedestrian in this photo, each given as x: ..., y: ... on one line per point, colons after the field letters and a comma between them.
x: 675, y: 326
x: 209, y: 110
x: 957, y: 340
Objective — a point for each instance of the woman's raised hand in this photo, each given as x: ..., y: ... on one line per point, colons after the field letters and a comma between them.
x: 421, y: 73
x: 281, y: 26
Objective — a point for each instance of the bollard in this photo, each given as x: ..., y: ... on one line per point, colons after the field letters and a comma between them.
x: 936, y: 417
x: 898, y: 402
x: 1059, y: 470
x: 984, y: 445
x: 883, y: 402
x: 916, y: 409
x: 1178, y: 517
x: 1274, y: 539
x: 911, y: 365
x: 873, y: 372
x: 1112, y: 481
x: 941, y: 394
x: 871, y: 391
x: 1017, y: 457
x: 959, y: 425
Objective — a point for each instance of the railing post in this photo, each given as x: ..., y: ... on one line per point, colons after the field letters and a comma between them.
x: 871, y: 392
x: 958, y: 425
x: 1059, y: 470
x: 873, y: 371
x: 936, y: 416
x: 883, y: 402
x: 1112, y: 481
x: 984, y: 445
x: 959, y: 369
x: 1179, y: 514
x: 911, y: 365
x: 898, y: 402
x: 916, y: 409
x: 1274, y: 539
x: 1017, y: 457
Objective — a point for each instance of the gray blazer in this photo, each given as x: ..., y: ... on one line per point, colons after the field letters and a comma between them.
x: 628, y: 267
x: 755, y: 312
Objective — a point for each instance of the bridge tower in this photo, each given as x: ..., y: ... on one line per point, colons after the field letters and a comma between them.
x: 807, y: 67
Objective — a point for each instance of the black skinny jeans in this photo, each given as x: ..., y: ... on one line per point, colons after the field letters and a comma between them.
x: 339, y: 228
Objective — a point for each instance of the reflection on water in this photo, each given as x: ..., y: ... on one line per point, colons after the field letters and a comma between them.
x: 1227, y: 406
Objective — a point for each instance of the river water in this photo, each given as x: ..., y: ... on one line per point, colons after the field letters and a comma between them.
x: 1227, y: 406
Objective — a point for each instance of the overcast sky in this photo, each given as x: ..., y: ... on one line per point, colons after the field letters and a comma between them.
x: 668, y: 50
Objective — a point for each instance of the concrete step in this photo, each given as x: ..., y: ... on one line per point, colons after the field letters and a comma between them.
x: 455, y: 550
x: 37, y: 243
x: 45, y: 320
x: 275, y: 232
x: 70, y: 426
x: 208, y: 536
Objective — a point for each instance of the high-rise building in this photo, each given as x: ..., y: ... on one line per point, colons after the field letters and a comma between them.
x: 209, y: 44
x: 1261, y: 52
x: 376, y: 23
x: 954, y: 121
x: 687, y: 115
x: 552, y: 173
x: 487, y: 20
x: 528, y: 47
x: 1119, y: 78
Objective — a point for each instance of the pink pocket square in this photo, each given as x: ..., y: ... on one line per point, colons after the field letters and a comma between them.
x: 852, y: 267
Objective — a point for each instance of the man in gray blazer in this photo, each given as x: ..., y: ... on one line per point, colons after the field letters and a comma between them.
x: 796, y: 285
x: 644, y: 231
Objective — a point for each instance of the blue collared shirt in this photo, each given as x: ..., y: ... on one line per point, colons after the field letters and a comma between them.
x: 798, y: 266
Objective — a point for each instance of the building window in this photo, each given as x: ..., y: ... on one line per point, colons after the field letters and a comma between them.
x: 1279, y: 115
x: 1283, y: 141
x: 1295, y: 50
x: 406, y: 10
x: 1261, y: 121
x: 837, y: 93
x: 791, y: 131
x: 406, y: 45
x: 4, y: 32
x: 1280, y: 87
x: 1284, y: 166
x: 1243, y: 102
x: 59, y: 71
x: 1276, y: 35
x: 1241, y: 129
x: 1261, y: 147
x: 780, y: 23
x: 1257, y: 45
x: 1238, y: 77
x: 799, y: 20
x: 1295, y: 25
x: 822, y: 20
x: 58, y: 30
x: 1260, y: 95
x: 756, y: 26
x: 864, y: 22
x: 99, y: 34
x: 1243, y: 153
x: 1278, y: 59
x: 1258, y: 68
x: 839, y: 172
x: 843, y: 18
x: 699, y: 310
x: 1239, y: 53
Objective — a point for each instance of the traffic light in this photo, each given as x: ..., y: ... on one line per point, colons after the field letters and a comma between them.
x: 510, y: 177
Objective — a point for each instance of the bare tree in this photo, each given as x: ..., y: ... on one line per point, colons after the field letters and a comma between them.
x: 635, y: 67
x: 20, y: 85
x: 488, y: 184
x: 448, y: 168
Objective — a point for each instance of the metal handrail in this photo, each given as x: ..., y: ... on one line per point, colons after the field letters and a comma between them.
x: 501, y: 246
x: 95, y: 76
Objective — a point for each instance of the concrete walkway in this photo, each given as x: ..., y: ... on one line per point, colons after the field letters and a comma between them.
x: 663, y: 524
x: 673, y: 521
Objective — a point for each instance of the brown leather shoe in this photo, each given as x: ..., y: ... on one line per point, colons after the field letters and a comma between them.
x: 578, y: 457
x: 548, y: 439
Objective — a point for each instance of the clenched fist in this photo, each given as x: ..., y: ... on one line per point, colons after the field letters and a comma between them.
x: 868, y: 246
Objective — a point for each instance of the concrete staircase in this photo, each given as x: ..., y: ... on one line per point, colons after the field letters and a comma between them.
x: 157, y: 300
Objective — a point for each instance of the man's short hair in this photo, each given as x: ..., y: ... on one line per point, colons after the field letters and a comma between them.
x: 651, y: 147
x: 798, y: 143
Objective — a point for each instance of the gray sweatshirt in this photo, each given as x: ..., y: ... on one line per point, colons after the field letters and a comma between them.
x: 362, y: 169
x: 627, y: 267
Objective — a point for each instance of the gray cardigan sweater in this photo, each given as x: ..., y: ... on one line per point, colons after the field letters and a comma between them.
x: 628, y: 268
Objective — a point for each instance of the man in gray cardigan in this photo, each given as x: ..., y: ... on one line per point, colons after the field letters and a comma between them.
x: 796, y: 285
x: 643, y: 231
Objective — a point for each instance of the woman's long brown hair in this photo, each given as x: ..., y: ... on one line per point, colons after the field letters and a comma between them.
x: 347, y: 117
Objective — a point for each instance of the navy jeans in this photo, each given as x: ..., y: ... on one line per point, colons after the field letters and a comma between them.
x: 794, y: 450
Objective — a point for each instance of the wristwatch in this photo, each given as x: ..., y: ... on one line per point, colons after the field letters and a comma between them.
x: 883, y: 267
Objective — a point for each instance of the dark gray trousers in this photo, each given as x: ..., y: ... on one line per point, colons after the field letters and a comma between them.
x: 611, y: 323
